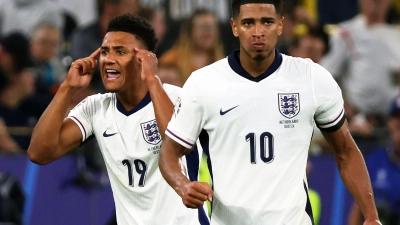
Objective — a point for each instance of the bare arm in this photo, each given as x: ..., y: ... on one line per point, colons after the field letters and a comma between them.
x: 163, y: 106
x: 355, y: 217
x: 353, y: 171
x: 193, y: 194
x: 52, y: 136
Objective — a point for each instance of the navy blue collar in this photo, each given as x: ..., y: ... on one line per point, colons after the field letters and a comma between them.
x: 234, y: 62
x: 145, y: 101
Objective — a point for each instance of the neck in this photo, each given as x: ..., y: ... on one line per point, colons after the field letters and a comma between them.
x: 256, y: 67
x: 131, y: 98
x: 374, y: 20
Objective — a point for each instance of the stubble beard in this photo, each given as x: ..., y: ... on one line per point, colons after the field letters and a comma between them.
x: 260, y: 57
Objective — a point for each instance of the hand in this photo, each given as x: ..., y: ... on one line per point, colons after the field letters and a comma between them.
x: 81, y: 72
x: 194, y: 194
x: 149, y: 64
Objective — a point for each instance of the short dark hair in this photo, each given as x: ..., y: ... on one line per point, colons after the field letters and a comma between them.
x: 135, y: 25
x: 235, y: 5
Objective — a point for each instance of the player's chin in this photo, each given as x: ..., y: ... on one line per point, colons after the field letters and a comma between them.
x: 259, y: 56
x: 111, y: 88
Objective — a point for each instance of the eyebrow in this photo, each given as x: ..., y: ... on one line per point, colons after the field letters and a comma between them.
x: 114, y: 47
x: 253, y: 19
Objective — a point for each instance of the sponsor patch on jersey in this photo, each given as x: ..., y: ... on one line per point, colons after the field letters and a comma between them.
x: 150, y: 132
x: 177, y: 106
x: 289, y: 104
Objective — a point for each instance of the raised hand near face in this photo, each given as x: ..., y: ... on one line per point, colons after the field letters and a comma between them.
x: 149, y: 64
x: 81, y: 71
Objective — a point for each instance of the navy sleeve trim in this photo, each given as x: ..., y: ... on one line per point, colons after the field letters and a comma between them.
x: 336, y: 126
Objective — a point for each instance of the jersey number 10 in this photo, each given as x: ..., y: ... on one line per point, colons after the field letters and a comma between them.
x: 266, y: 147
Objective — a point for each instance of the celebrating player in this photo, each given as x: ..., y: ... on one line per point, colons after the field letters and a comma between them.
x: 254, y: 113
x: 128, y: 123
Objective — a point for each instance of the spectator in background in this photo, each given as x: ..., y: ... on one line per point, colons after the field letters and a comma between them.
x: 155, y: 16
x: 16, y: 84
x: 169, y: 74
x: 182, y: 9
x: 24, y: 15
x: 198, y: 45
x: 314, y: 45
x: 364, y: 56
x: 384, y: 168
x: 45, y: 42
x: 7, y: 143
x: 297, y: 21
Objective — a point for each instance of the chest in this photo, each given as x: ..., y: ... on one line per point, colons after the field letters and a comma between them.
x: 275, y: 102
x: 134, y: 136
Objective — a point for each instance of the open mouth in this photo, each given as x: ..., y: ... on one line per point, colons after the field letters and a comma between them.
x: 112, y: 74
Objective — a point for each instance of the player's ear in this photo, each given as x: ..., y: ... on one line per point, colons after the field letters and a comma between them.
x: 280, y: 25
x: 234, y: 27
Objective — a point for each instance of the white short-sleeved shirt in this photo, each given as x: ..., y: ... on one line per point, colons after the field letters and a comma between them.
x: 257, y: 133
x: 365, y: 59
x: 130, y: 143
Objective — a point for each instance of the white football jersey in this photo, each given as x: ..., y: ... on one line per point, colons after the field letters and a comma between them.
x: 130, y: 143
x: 257, y: 132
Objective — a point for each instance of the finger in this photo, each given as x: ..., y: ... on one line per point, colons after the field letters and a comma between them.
x: 92, y: 63
x: 95, y: 54
x: 89, y: 66
x: 85, y: 66
x: 205, y: 189
x: 202, y: 187
x: 197, y: 195
x: 210, y: 196
x: 192, y: 203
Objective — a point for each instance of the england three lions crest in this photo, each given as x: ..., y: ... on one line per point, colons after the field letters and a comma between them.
x: 150, y: 132
x: 289, y: 104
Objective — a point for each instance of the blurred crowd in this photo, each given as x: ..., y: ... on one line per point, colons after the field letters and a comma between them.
x: 358, y: 41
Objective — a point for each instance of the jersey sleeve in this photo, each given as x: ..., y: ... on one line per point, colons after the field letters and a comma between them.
x: 81, y: 114
x: 172, y: 91
x: 330, y: 114
x: 187, y: 119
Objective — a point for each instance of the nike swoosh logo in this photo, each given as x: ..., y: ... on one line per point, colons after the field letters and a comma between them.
x: 225, y: 112
x: 108, y: 135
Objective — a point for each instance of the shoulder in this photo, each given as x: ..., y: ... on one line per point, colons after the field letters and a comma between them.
x: 101, y: 97
x: 297, y: 61
x: 96, y: 99
x: 169, y: 88
x: 303, y: 66
x: 172, y: 91
x: 212, y: 70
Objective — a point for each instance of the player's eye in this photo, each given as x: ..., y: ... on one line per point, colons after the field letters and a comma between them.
x: 103, y: 52
x: 120, y: 52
